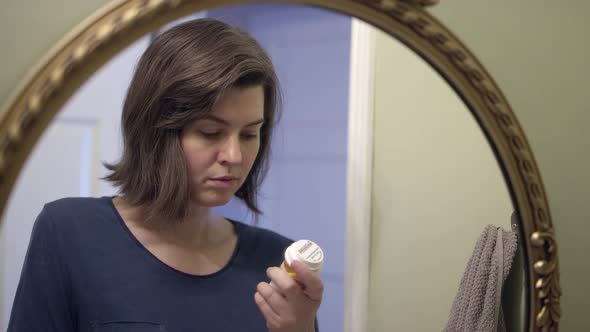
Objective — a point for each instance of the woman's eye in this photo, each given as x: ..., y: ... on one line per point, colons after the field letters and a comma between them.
x: 249, y: 136
x: 211, y: 134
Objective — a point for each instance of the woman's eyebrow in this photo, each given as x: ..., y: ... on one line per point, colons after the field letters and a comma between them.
x: 222, y: 121
x: 254, y: 123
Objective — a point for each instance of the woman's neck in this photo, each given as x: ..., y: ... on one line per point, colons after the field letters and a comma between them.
x: 201, y: 229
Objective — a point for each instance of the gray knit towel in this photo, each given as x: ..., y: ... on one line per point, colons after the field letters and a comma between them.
x: 477, y: 305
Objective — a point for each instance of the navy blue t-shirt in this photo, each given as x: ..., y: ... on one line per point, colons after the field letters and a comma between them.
x: 85, y: 271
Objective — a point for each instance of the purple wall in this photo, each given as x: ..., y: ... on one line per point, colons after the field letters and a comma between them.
x: 304, y: 195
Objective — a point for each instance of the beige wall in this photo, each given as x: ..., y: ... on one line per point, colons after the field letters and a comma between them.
x: 536, y: 50
x: 436, y: 185
x: 29, y: 28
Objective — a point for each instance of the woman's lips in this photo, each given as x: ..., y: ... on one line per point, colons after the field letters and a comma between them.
x: 223, y: 182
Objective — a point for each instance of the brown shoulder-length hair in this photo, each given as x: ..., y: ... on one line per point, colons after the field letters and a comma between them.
x: 183, y: 73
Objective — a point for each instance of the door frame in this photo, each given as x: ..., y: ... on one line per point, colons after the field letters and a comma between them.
x: 359, y: 176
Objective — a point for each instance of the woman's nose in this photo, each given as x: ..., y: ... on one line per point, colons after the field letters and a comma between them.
x: 231, y: 151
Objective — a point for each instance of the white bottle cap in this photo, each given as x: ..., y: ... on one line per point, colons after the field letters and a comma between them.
x: 306, y: 252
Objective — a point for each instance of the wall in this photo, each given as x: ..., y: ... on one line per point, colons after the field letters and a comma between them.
x: 66, y: 162
x: 29, y: 28
x: 534, y: 50
x: 436, y: 185
x: 537, y: 51
x: 304, y: 194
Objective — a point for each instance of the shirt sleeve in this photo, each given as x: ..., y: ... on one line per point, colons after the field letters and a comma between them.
x: 43, y: 297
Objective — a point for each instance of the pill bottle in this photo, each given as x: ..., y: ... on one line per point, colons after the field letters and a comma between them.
x: 305, y: 251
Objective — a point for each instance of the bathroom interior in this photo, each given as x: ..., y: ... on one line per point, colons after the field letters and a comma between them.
x: 379, y: 157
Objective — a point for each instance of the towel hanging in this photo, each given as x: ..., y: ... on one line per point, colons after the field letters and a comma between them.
x: 477, y: 305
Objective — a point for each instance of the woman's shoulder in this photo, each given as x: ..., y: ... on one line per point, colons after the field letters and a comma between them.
x: 76, y: 202
x: 74, y: 223
x: 73, y: 210
x: 262, y: 238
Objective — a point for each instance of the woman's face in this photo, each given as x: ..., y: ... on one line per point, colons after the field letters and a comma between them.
x: 221, y: 148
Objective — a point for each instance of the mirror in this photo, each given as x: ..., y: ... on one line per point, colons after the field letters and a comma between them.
x: 435, y: 181
x: 436, y: 185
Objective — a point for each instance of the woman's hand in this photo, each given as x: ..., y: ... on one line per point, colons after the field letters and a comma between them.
x: 290, y: 305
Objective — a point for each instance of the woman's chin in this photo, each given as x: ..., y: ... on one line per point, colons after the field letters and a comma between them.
x: 212, y: 200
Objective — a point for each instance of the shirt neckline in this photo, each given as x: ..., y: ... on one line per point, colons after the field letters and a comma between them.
x: 238, y: 227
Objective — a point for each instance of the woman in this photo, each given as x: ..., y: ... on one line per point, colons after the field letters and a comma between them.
x: 197, y: 125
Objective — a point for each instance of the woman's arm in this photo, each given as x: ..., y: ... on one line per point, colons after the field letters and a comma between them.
x: 43, y: 297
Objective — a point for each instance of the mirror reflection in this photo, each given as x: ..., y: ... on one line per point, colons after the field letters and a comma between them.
x: 435, y: 188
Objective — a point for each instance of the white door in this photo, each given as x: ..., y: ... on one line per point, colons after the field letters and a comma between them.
x: 66, y: 162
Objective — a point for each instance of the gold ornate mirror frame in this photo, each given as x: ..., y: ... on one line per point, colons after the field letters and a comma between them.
x: 40, y: 96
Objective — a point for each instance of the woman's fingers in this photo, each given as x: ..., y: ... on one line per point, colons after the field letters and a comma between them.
x: 313, y: 285
x: 284, y: 303
x: 273, y: 297
x: 284, y: 283
x: 269, y: 314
